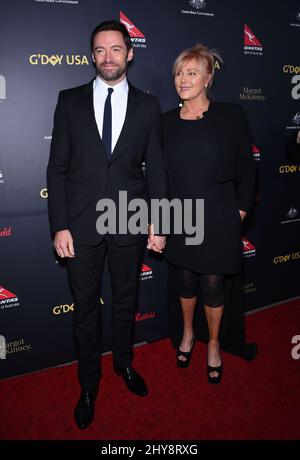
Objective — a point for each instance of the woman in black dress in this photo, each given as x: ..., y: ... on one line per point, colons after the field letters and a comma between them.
x: 208, y: 155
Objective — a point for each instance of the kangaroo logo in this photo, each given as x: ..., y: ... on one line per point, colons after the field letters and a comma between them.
x: 4, y: 296
x: 198, y: 4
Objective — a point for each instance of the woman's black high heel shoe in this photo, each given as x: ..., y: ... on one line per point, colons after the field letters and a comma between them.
x: 216, y: 379
x: 186, y: 354
x: 218, y: 369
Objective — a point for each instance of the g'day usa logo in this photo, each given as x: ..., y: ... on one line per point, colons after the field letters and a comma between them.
x: 138, y: 39
x: 8, y: 299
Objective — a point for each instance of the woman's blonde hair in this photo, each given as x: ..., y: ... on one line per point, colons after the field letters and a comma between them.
x: 205, y: 57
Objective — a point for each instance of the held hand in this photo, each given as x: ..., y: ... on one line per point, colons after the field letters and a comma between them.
x: 156, y: 243
x: 242, y: 214
x: 150, y: 236
x: 63, y: 243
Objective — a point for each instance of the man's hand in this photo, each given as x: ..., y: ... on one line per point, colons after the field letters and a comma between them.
x: 155, y: 242
x: 63, y: 243
x: 242, y: 214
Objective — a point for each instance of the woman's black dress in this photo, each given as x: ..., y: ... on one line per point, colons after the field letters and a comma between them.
x: 191, y: 159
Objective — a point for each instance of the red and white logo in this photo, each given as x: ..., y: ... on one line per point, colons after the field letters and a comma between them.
x: 5, y: 232
x: 138, y: 39
x: 5, y: 294
x: 249, y: 37
x: 8, y: 299
x: 146, y: 272
x: 145, y: 316
x: 248, y: 248
x: 256, y: 153
x: 251, y: 43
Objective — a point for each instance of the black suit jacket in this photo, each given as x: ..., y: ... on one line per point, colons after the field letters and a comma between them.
x: 233, y: 139
x: 293, y: 148
x: 79, y: 172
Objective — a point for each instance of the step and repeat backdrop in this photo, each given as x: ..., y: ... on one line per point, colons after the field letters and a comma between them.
x: 44, y: 47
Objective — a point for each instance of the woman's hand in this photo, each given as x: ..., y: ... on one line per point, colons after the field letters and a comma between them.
x: 155, y: 242
x: 242, y: 214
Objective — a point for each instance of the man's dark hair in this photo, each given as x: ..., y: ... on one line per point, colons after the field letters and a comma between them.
x: 112, y: 25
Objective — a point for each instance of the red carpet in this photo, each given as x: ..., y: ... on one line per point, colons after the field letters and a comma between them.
x: 258, y: 400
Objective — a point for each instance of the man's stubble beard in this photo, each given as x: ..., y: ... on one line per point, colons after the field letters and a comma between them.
x: 111, y: 75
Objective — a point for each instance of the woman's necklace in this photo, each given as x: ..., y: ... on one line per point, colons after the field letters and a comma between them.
x: 199, y: 113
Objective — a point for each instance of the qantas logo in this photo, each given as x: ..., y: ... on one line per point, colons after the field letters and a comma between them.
x: 248, y: 248
x: 256, y: 153
x: 132, y: 29
x: 146, y: 272
x: 5, y: 294
x: 249, y: 37
x: 145, y: 268
x: 138, y: 39
x: 251, y: 43
x: 8, y: 299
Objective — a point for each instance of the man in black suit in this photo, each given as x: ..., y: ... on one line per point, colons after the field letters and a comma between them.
x: 103, y: 132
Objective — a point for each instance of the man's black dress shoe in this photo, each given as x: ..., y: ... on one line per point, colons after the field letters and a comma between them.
x: 85, y: 409
x: 133, y: 380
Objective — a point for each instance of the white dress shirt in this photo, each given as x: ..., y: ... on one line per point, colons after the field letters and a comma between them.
x: 119, y: 99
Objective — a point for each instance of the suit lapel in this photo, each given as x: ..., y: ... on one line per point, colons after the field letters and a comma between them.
x: 127, y: 131
x: 128, y: 127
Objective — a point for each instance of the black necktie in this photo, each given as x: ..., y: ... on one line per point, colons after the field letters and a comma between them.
x: 106, y: 130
